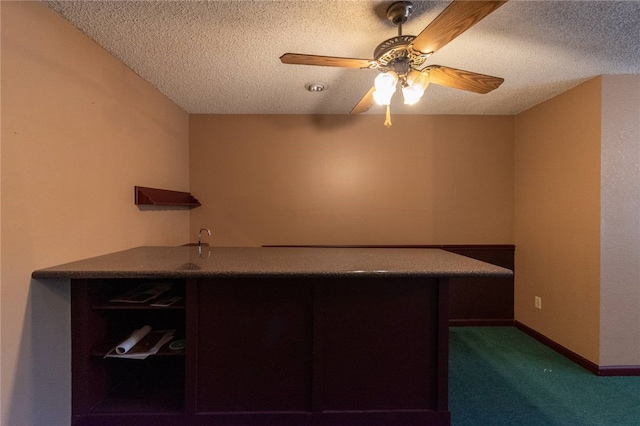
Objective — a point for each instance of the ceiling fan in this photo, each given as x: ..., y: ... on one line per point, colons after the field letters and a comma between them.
x: 401, y: 59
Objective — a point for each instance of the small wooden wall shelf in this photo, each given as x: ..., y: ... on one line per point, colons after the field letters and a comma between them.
x: 164, y: 197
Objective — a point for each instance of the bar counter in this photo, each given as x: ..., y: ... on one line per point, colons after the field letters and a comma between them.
x: 205, y: 261
x: 277, y: 336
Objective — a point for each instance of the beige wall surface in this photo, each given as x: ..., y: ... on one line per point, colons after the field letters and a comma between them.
x: 276, y: 179
x: 79, y: 130
x: 557, y: 218
x: 620, y: 228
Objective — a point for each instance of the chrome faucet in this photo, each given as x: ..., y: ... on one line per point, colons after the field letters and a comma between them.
x: 200, y: 234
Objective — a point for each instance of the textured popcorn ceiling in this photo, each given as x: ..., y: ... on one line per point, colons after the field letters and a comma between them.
x: 222, y: 57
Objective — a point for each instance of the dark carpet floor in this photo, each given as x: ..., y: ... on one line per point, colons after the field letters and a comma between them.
x: 501, y: 376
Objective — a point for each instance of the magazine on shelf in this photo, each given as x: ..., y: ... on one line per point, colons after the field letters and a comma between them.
x: 143, y: 293
x: 167, y: 301
x: 141, y: 343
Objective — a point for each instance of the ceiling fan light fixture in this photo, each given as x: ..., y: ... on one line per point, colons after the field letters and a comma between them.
x: 418, y: 79
x: 402, y: 58
x: 385, y: 84
x: 414, y: 88
x: 412, y: 94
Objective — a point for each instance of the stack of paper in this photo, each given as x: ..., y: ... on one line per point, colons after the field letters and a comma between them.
x: 143, y: 293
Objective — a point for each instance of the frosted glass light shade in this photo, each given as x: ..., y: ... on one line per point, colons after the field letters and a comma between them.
x: 385, y: 84
x: 411, y: 94
x: 416, y: 85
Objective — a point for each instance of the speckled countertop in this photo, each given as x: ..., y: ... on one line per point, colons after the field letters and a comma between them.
x: 187, y: 261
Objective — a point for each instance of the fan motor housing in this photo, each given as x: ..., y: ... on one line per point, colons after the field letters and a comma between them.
x: 396, y: 54
x: 398, y: 12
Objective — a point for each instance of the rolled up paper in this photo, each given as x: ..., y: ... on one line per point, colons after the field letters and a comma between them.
x: 132, y: 340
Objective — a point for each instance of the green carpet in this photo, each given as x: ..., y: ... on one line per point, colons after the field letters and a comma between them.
x: 501, y: 376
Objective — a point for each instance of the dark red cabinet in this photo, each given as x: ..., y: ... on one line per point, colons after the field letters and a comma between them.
x: 270, y: 350
x: 254, y: 346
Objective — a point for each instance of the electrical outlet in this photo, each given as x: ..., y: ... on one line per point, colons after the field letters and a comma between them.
x: 538, y: 302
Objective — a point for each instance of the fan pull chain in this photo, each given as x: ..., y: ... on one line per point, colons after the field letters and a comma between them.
x: 387, y: 121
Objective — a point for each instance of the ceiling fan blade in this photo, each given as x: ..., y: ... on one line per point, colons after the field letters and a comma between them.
x: 325, y: 61
x: 458, y: 17
x: 365, y: 103
x: 465, y: 80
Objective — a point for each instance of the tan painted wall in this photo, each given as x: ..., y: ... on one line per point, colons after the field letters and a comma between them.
x: 79, y: 130
x: 277, y: 179
x: 620, y: 230
x: 557, y: 218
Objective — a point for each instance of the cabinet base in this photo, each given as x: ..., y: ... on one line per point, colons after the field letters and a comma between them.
x: 377, y: 418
